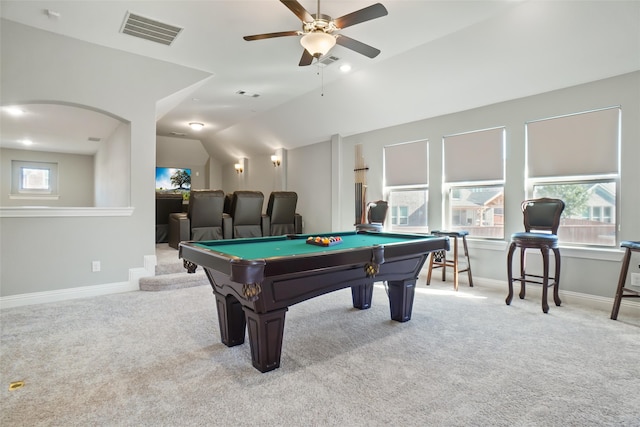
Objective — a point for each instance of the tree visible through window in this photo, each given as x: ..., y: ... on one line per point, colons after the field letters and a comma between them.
x: 589, y: 213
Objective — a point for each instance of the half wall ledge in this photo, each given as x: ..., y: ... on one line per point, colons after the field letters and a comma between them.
x: 50, y: 212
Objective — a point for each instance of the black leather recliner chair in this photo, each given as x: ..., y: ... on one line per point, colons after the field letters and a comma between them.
x: 227, y: 203
x: 281, y: 210
x: 246, y: 214
x: 204, y: 219
x: 166, y: 204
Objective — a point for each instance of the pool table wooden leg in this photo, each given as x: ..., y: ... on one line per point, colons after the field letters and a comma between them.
x: 361, y: 296
x: 401, y: 299
x: 265, y: 337
x: 231, y: 319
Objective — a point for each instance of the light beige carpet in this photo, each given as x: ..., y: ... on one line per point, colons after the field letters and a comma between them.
x: 464, y: 359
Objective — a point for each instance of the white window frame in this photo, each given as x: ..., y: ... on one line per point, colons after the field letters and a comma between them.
x: 18, y: 191
x: 406, y: 168
x: 406, y: 228
x: 450, y: 187
x: 586, y: 178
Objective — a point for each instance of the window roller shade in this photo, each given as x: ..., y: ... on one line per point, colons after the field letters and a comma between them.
x: 474, y: 156
x: 580, y: 144
x: 406, y: 164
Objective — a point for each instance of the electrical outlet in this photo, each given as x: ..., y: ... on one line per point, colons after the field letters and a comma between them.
x: 95, y: 266
x: 635, y: 279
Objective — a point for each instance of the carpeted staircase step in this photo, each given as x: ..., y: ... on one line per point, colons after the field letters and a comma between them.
x: 175, y: 267
x: 165, y: 282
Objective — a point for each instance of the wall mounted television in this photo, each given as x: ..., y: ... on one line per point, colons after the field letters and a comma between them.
x: 173, y: 180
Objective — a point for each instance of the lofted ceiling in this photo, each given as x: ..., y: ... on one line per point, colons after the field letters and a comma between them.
x: 437, y: 57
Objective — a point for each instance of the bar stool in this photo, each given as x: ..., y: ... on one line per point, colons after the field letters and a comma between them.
x: 439, y: 259
x: 541, y: 223
x: 620, y: 292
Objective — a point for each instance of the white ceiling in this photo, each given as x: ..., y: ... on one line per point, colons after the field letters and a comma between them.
x: 437, y: 57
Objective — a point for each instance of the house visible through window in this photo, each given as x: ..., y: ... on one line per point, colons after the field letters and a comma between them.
x: 476, y: 188
x: 406, y: 184
x: 409, y: 210
x: 589, y: 213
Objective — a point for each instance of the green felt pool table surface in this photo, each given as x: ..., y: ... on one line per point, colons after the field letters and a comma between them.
x: 283, y: 246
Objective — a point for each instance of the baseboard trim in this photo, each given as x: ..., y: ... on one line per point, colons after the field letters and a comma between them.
x: 627, y: 307
x: 67, y: 294
x: 135, y: 274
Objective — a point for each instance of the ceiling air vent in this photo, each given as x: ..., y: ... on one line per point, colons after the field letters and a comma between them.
x: 149, y: 29
x: 94, y: 139
x: 327, y: 60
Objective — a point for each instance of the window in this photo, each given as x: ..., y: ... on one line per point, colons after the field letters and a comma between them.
x: 34, y: 179
x: 589, y: 213
x: 575, y: 158
x: 406, y: 183
x: 474, y: 177
x: 409, y: 210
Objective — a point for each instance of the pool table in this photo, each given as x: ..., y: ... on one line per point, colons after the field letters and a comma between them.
x: 255, y: 280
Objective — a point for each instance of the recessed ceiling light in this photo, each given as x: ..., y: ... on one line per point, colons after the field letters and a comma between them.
x: 196, y: 126
x: 247, y: 94
x: 14, y: 111
x: 27, y: 142
x: 345, y: 68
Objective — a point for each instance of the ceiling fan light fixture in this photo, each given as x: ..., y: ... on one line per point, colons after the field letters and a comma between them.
x: 318, y: 43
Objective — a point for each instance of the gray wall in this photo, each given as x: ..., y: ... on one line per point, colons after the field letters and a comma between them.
x: 113, y: 169
x: 584, y: 270
x: 189, y: 154
x: 66, y: 70
x: 75, y: 177
x: 40, y: 66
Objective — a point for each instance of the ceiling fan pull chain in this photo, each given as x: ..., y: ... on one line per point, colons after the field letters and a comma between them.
x: 321, y: 74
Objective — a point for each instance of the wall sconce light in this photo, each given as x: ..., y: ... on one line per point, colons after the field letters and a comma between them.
x: 275, y: 160
x: 196, y: 126
x: 238, y: 167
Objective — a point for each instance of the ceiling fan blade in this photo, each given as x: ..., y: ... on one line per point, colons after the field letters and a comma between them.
x: 357, y: 46
x: 368, y: 13
x: 271, y: 35
x: 306, y: 59
x: 298, y: 10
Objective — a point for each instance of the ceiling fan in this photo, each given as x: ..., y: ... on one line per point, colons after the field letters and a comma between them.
x: 318, y: 31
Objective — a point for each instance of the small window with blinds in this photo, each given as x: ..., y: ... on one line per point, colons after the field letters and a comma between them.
x: 406, y: 176
x: 576, y: 158
x: 474, y: 177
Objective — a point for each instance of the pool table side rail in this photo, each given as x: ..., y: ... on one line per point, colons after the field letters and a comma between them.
x: 220, y: 261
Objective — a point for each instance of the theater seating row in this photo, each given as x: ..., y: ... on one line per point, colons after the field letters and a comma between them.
x: 213, y: 215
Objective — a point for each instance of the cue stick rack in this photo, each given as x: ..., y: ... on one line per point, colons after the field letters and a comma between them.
x: 360, y: 172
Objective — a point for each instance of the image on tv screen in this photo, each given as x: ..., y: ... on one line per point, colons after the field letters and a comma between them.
x: 173, y: 180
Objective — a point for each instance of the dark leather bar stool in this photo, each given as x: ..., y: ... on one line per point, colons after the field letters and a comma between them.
x: 541, y: 222
x: 439, y: 259
x: 623, y: 292
x: 376, y: 215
